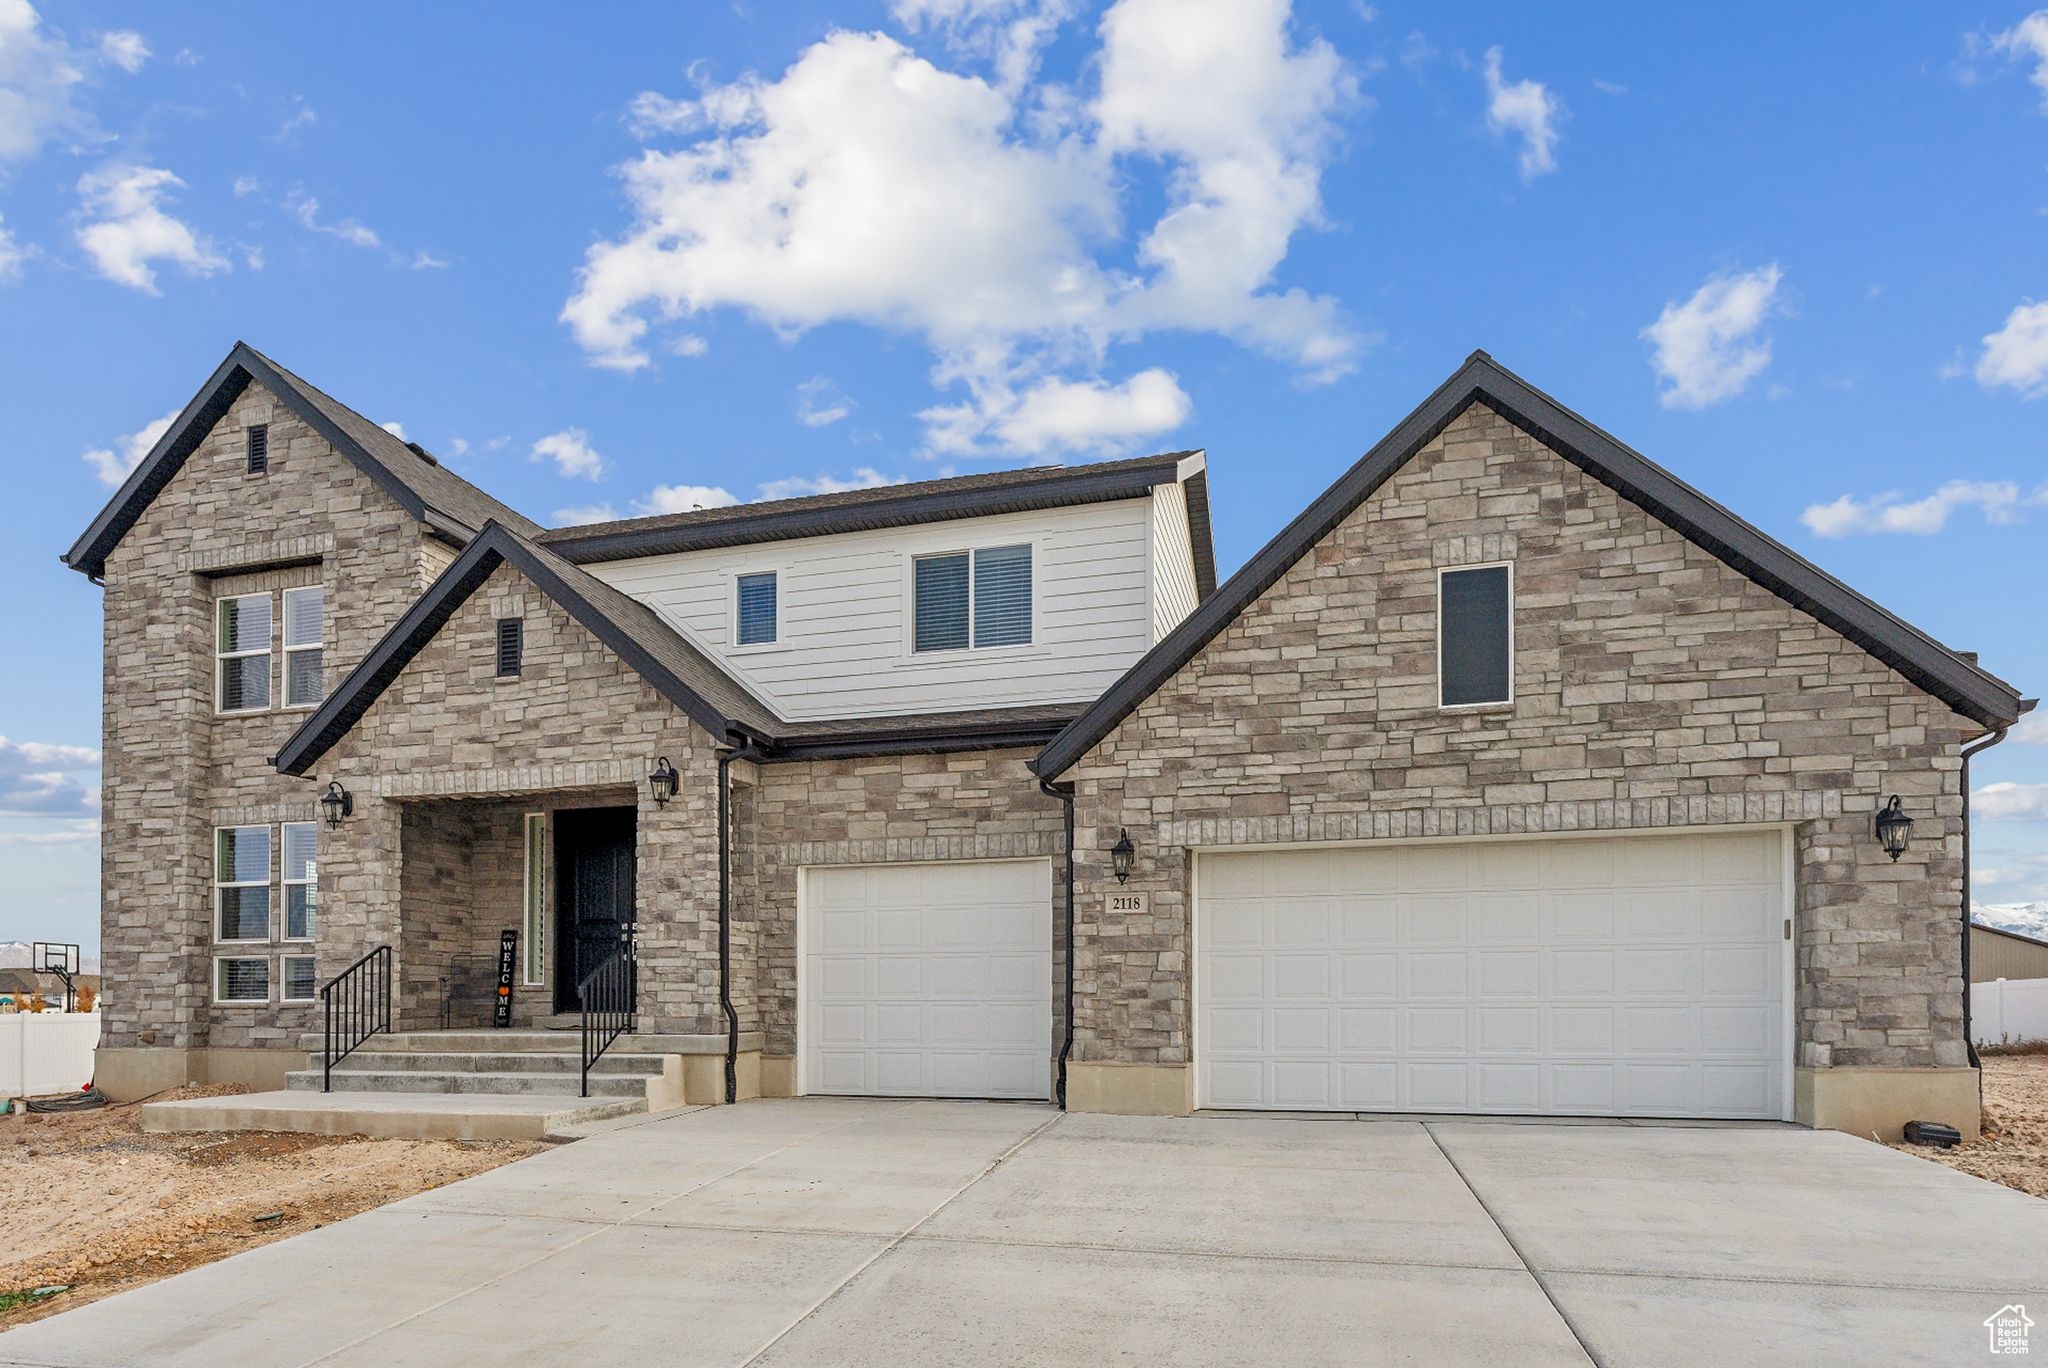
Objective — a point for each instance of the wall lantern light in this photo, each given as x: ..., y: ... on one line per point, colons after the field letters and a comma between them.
x: 1893, y: 828
x: 1122, y: 855
x: 338, y: 803
x: 662, y: 783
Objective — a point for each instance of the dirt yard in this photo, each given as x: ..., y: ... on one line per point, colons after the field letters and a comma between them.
x: 88, y: 1202
x: 2014, y: 1150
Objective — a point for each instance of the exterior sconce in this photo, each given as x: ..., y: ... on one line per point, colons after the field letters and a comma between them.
x: 1894, y: 827
x: 1122, y: 855
x: 663, y: 782
x: 338, y: 803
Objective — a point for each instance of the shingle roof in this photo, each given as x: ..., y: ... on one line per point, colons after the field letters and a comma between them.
x: 1948, y: 675
x: 443, y: 501
x: 924, y: 501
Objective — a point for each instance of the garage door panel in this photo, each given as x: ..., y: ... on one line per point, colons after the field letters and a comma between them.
x: 1630, y: 975
x: 928, y: 979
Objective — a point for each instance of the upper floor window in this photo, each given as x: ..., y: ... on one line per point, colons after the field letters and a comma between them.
x: 242, y: 651
x: 258, y: 448
x: 982, y: 598
x: 241, y: 881
x: 305, y: 614
x: 754, y: 609
x: 511, y: 647
x: 1475, y: 636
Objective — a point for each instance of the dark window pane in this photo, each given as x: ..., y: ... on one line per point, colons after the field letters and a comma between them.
x: 941, y: 603
x: 244, y: 914
x: 242, y: 855
x: 1474, y: 635
x: 300, y: 983
x: 298, y: 911
x: 244, y: 980
x: 757, y: 609
x: 302, y: 678
x: 1002, y: 596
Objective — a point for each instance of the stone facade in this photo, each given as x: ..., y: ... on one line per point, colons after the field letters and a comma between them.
x: 174, y: 769
x: 1654, y: 687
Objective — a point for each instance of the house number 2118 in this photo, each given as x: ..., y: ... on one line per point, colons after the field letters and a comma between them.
x: 1129, y: 904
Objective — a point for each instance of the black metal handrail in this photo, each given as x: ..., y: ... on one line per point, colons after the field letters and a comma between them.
x: 606, y: 997
x: 356, y: 1004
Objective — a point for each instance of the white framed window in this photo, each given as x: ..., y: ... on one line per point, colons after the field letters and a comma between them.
x: 535, y: 954
x: 1475, y: 636
x: 305, y: 620
x: 756, y: 608
x: 299, y: 867
x: 241, y: 884
x: 298, y: 980
x: 241, y: 980
x: 242, y: 653
x: 977, y: 599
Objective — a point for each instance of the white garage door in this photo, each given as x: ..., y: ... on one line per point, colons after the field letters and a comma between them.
x: 927, y: 980
x: 1624, y: 976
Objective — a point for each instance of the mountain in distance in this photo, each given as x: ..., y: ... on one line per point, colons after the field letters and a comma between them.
x: 2024, y: 919
x: 15, y: 954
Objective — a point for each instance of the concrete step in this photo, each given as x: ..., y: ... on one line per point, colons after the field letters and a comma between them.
x: 420, y: 1061
x: 403, y: 1116
x: 459, y: 1081
x: 524, y: 1040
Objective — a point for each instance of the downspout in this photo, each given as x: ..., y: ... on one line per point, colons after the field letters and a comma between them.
x: 1970, y: 1036
x: 1065, y: 794
x: 746, y: 750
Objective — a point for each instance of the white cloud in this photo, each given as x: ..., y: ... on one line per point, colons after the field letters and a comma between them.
x: 113, y: 466
x: 38, y: 779
x: 2032, y: 729
x: 1526, y: 108
x: 1009, y: 34
x: 395, y: 429
x: 424, y: 260
x: 819, y: 403
x: 867, y: 184
x: 682, y: 499
x: 2028, y: 39
x: 1708, y: 348
x: 306, y: 210
x: 127, y: 229
x: 1609, y: 87
x: 1848, y: 515
x: 304, y: 116
x: 246, y: 186
x: 76, y: 832
x: 2016, y: 356
x: 583, y: 514
x: 797, y: 487
x: 125, y: 48
x: 2011, y: 802
x: 572, y: 454
x: 1062, y: 415
x: 11, y: 253
x: 40, y: 78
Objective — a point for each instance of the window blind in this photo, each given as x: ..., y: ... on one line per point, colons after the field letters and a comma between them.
x: 1002, y: 596
x: 242, y: 878
x: 301, y: 983
x: 301, y: 878
x: 940, y: 602
x: 243, y: 980
x: 243, y: 645
x: 756, y: 608
x: 304, y: 619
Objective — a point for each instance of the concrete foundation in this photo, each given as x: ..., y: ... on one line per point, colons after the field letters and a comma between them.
x: 125, y: 1074
x: 1131, y: 1089
x: 1879, y: 1102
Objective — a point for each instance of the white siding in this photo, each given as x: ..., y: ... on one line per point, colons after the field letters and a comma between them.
x: 843, y: 635
x: 1173, y: 563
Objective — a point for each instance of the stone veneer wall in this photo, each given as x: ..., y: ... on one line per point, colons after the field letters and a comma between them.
x: 1654, y: 687
x: 463, y: 873
x: 173, y: 770
x: 576, y: 726
x: 982, y: 805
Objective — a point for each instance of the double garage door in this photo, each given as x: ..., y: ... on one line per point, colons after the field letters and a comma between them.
x: 1623, y: 976
x: 926, y: 980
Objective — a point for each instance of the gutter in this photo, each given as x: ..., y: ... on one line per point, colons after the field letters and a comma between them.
x: 746, y: 750
x: 1969, y: 1036
x: 1065, y: 794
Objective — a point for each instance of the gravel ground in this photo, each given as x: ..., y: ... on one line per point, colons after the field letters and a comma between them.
x: 87, y: 1200
x: 2014, y: 1150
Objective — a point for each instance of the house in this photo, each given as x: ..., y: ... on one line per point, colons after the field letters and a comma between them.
x: 1996, y: 953
x: 1513, y: 775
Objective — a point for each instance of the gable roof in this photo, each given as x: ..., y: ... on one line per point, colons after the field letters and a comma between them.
x: 1953, y: 678
x: 902, y: 505
x: 657, y: 652
x: 448, y: 505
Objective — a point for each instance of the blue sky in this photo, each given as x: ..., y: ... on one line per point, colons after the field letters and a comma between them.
x: 688, y: 254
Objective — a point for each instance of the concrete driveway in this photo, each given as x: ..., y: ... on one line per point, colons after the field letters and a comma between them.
x: 828, y: 1231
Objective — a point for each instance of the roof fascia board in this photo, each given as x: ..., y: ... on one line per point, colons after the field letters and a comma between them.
x: 932, y: 741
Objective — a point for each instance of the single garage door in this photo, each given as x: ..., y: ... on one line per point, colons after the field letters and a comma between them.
x: 1623, y: 976
x: 926, y: 980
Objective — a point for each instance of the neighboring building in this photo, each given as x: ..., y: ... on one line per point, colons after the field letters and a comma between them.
x: 1996, y: 953
x: 1512, y: 776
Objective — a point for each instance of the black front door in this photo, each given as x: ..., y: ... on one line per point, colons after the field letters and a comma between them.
x: 593, y: 892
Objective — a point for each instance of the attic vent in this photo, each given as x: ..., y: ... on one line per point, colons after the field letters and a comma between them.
x: 259, y: 448
x: 422, y: 453
x: 511, y: 647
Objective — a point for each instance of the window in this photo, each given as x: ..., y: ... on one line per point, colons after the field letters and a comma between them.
x: 301, y: 847
x: 982, y: 597
x: 241, y: 980
x: 536, y: 895
x: 258, y: 448
x: 241, y: 877
x: 754, y: 609
x: 299, y: 981
x: 511, y: 647
x: 242, y: 645
x: 305, y: 612
x: 1475, y: 636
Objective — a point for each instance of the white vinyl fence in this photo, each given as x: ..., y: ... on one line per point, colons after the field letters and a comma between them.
x: 46, y: 1052
x: 2007, y: 1011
